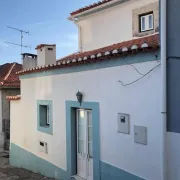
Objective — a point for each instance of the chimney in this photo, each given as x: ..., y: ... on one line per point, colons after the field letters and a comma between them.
x: 29, y: 60
x: 46, y: 54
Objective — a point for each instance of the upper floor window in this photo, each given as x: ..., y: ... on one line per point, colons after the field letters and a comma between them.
x: 146, y: 22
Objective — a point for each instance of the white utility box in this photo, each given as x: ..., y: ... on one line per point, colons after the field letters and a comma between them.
x: 140, y: 135
x: 123, y: 123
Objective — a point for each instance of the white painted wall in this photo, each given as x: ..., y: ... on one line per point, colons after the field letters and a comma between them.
x: 110, y: 26
x: 1, y: 133
x: 141, y: 101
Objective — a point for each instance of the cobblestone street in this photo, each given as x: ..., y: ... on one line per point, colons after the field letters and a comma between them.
x: 10, y: 173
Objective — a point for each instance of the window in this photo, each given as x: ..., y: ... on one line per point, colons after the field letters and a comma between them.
x: 44, y: 116
x: 146, y: 22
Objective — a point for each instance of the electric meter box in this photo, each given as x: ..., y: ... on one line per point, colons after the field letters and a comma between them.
x: 140, y: 135
x: 123, y: 123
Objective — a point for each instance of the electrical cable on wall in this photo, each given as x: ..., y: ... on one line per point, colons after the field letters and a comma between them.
x: 133, y: 67
x: 140, y: 77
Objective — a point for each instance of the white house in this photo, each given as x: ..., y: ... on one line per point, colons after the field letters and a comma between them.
x: 115, y: 131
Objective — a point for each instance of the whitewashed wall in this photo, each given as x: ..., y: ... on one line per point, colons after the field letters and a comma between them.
x: 1, y: 133
x: 141, y: 100
x: 110, y: 26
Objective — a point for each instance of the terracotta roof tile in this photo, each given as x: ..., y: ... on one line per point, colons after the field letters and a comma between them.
x: 8, y: 75
x: 13, y: 97
x: 90, y: 7
x: 147, y: 43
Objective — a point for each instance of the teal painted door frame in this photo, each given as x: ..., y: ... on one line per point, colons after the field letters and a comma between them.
x: 71, y: 149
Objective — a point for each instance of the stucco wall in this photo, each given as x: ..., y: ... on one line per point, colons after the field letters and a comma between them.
x: 141, y: 101
x: 173, y: 66
x: 5, y: 110
x: 109, y: 26
x: 6, y: 103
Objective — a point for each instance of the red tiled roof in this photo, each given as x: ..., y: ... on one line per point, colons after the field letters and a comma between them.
x: 90, y: 7
x: 8, y: 76
x: 13, y: 97
x: 152, y: 42
x: 147, y: 43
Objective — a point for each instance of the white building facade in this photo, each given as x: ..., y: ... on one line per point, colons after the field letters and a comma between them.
x: 115, y: 132
x: 114, y: 22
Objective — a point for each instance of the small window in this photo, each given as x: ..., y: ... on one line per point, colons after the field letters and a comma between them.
x: 146, y: 22
x: 44, y: 115
x: 50, y: 49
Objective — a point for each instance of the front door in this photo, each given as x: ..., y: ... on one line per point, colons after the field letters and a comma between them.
x: 84, y: 144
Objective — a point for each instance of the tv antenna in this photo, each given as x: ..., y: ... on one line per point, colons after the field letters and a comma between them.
x: 22, y: 32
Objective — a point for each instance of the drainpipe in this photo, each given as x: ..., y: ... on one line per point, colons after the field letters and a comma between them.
x: 79, y: 34
x: 164, y: 91
x: 80, y: 37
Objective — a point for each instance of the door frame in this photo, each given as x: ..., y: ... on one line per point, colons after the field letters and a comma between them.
x: 85, y: 134
x: 71, y: 144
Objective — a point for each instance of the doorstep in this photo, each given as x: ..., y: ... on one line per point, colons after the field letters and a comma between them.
x: 76, y: 177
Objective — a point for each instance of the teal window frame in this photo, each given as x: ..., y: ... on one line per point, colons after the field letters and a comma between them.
x: 43, y: 128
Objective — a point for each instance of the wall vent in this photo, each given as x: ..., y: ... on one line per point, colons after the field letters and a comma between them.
x: 43, y: 147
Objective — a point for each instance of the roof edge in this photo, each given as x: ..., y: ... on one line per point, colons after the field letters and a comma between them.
x: 18, y: 97
x: 145, y: 44
x: 94, y: 7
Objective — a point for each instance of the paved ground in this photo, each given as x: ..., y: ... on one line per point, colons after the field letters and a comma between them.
x: 10, y: 173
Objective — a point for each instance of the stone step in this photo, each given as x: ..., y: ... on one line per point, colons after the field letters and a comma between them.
x: 76, y: 177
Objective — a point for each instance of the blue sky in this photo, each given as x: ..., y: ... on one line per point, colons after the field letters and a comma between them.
x: 45, y: 19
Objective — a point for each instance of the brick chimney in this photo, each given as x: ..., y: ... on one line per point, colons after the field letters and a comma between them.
x: 46, y: 54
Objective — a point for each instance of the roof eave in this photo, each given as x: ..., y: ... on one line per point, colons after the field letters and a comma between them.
x: 95, y: 9
x: 9, y: 87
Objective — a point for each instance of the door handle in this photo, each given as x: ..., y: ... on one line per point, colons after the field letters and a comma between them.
x: 88, y: 157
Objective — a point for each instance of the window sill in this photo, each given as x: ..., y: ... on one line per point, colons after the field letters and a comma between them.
x: 145, y: 33
x: 45, y: 126
x: 45, y: 129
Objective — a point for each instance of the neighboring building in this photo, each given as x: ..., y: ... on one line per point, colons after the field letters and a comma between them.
x: 173, y: 74
x: 115, y: 132
x: 9, y: 85
x: 114, y: 21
